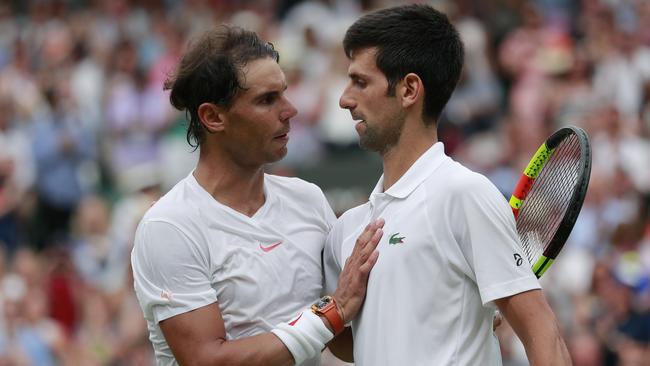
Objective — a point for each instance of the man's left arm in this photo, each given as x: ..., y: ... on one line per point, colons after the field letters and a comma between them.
x: 533, y: 321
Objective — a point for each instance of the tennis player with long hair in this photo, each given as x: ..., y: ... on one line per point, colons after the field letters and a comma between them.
x: 227, y: 263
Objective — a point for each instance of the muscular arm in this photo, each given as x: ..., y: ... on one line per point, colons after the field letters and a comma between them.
x: 536, y: 326
x: 198, y: 337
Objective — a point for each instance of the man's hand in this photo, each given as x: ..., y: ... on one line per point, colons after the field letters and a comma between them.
x: 351, y: 290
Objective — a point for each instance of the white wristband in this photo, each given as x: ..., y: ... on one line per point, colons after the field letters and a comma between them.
x: 305, y: 336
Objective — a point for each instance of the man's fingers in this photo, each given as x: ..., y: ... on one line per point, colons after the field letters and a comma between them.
x: 365, y: 236
x: 376, y: 237
x: 368, y: 233
x: 367, y: 265
x: 371, y: 245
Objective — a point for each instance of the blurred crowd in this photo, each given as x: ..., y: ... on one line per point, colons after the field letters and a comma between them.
x: 88, y: 141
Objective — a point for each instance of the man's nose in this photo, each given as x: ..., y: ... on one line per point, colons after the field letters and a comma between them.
x: 346, y: 101
x: 288, y: 112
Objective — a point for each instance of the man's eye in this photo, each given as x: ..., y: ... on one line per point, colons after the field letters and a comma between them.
x: 360, y: 83
x: 269, y: 99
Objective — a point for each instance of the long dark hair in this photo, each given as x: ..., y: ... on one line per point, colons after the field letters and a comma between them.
x: 211, y: 72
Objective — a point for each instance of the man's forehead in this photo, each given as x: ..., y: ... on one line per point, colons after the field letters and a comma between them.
x: 263, y: 74
x: 363, y: 61
x: 363, y: 52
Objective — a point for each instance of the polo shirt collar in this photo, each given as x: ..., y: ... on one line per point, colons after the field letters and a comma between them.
x: 416, y: 174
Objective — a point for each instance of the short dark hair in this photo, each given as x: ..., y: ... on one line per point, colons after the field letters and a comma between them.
x: 211, y: 72
x: 412, y: 39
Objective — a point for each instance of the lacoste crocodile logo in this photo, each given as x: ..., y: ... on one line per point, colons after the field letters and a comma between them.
x: 395, y: 239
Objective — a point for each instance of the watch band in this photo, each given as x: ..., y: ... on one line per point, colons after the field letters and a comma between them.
x: 326, y: 307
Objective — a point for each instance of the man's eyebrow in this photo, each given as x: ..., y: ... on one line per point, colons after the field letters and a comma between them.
x: 357, y: 75
x: 274, y: 89
x: 271, y: 91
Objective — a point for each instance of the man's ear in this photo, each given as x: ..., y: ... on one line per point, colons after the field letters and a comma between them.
x: 211, y: 116
x: 410, y: 89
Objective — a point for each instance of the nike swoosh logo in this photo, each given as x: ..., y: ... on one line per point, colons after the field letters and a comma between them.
x: 293, y: 322
x: 270, y: 247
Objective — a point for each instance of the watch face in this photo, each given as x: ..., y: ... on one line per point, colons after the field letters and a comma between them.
x: 322, y: 302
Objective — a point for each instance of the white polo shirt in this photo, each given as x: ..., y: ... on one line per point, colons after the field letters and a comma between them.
x: 191, y: 251
x: 450, y: 247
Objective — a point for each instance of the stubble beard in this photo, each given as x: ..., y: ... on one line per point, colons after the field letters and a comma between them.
x: 382, y: 139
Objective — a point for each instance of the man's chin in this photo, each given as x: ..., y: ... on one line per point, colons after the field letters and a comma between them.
x: 367, y: 144
x: 278, y: 155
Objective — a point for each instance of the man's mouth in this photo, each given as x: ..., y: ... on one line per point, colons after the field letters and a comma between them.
x: 282, y: 136
x: 360, y: 126
x: 357, y: 118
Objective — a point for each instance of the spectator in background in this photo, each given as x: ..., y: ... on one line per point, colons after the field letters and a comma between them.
x: 474, y: 105
x: 18, y: 83
x: 16, y: 176
x: 62, y: 145
x: 621, y: 75
x: 137, y: 115
x: 93, y: 253
x: 28, y: 335
x: 87, y: 80
x: 40, y: 336
x: 528, y: 56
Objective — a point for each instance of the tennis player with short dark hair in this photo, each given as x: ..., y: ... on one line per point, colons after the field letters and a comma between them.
x: 227, y: 263
x: 450, y: 255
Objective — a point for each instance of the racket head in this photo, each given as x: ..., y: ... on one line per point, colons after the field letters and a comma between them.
x: 550, y: 193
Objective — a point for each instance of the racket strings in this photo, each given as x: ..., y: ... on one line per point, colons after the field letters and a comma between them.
x: 544, y: 208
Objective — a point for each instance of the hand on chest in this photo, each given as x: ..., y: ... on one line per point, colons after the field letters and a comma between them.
x: 408, y: 241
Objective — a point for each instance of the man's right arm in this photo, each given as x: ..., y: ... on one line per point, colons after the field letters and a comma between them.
x: 533, y: 321
x: 198, y: 337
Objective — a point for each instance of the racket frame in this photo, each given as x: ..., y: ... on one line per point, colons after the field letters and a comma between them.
x: 527, y: 180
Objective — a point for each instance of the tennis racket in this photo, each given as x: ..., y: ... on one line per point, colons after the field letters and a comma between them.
x: 549, y: 195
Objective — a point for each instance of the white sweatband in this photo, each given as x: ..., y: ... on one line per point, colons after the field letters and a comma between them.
x: 305, y: 336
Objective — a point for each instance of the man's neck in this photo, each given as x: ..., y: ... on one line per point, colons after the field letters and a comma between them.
x: 238, y: 187
x: 413, y: 143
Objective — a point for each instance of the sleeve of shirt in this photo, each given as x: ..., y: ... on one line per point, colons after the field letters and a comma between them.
x: 324, y: 208
x: 328, y: 213
x: 171, y: 272
x: 331, y: 266
x: 490, y: 243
